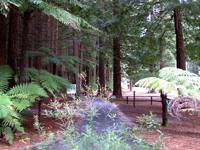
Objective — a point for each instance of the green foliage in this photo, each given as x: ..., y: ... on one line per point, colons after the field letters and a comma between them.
x: 49, y: 82
x: 147, y: 121
x: 6, y: 74
x: 174, y: 80
x: 15, y: 100
x: 61, y: 15
x: 110, y: 139
x: 24, y: 95
x: 12, y: 103
x: 156, y: 84
x: 49, y: 57
x: 9, y: 118
x: 48, y: 8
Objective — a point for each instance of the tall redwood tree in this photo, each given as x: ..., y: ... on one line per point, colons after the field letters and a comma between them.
x: 101, y: 64
x: 3, y: 33
x: 180, y: 51
x: 117, y: 90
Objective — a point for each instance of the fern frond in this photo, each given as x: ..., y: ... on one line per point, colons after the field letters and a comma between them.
x: 61, y: 15
x: 8, y: 134
x: 9, y: 118
x: 5, y: 105
x: 171, y: 73
x: 173, y: 79
x: 31, y: 89
x: 157, y: 84
x: 6, y: 73
x: 49, y: 82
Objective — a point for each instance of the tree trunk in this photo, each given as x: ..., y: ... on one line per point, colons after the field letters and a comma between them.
x: 162, y: 53
x: 116, y: 67
x: 12, y: 40
x: 26, y: 23
x: 180, y: 52
x: 77, y: 54
x: 3, y: 39
x: 117, y: 90
x: 101, y: 65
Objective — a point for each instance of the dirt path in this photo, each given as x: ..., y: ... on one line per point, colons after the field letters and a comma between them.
x: 179, y: 134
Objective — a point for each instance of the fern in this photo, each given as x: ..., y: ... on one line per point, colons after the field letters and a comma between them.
x: 157, y: 84
x: 15, y: 100
x: 48, y: 8
x: 9, y: 118
x: 6, y: 74
x: 24, y: 95
x: 12, y: 103
x: 51, y: 83
x: 48, y: 57
x: 61, y: 15
x: 174, y: 80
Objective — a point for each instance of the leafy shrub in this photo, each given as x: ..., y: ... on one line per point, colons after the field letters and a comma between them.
x: 19, y: 97
x: 148, y: 121
x: 110, y: 139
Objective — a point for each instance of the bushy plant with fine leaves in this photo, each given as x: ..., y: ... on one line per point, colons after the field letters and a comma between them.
x: 13, y: 101
x: 72, y: 138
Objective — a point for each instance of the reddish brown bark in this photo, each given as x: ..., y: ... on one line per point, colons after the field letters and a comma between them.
x: 12, y: 39
x: 117, y: 90
x: 26, y: 26
x: 116, y: 67
x: 3, y: 33
x: 77, y: 54
x: 101, y: 64
x: 180, y: 52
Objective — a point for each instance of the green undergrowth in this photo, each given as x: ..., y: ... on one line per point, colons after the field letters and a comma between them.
x: 15, y: 99
x: 111, y: 139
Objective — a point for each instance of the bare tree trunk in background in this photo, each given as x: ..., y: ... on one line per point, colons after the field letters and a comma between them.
x: 12, y: 40
x: 76, y: 54
x: 101, y: 65
x: 180, y: 52
x: 3, y: 39
x: 117, y: 90
x: 26, y: 26
x: 37, y: 62
x: 130, y: 85
x: 162, y: 53
x: 116, y: 67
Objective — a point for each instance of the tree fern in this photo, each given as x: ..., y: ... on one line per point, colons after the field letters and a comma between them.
x: 48, y: 8
x: 13, y: 101
x: 48, y: 57
x: 157, y: 84
x: 9, y: 118
x: 24, y: 95
x: 6, y: 74
x: 173, y: 79
x: 51, y: 83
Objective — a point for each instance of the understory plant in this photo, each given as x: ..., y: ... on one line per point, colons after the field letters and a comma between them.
x: 13, y: 100
x: 148, y: 121
x: 67, y: 114
x: 176, y: 81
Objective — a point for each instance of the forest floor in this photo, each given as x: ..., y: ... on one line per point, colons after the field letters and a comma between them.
x: 178, y: 135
